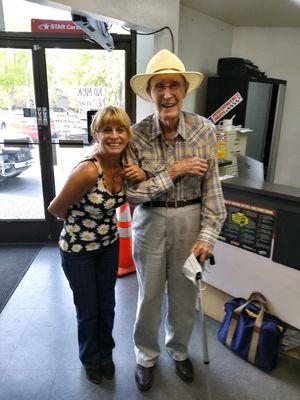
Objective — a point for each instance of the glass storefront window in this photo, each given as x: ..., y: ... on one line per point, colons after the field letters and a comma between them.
x: 82, y: 81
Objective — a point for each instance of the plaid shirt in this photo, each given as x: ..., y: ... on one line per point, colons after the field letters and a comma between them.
x: 195, y: 138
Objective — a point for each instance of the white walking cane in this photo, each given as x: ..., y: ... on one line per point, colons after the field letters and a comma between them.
x: 193, y: 270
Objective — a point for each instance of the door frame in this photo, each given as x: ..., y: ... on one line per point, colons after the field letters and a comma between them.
x: 43, y: 230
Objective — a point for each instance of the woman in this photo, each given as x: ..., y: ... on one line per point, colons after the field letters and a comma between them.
x: 89, y: 239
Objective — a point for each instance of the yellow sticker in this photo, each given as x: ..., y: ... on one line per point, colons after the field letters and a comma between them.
x: 240, y: 219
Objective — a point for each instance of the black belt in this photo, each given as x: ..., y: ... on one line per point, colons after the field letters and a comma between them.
x: 171, y: 203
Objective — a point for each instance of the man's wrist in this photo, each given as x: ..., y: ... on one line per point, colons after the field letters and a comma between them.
x: 208, y: 237
x: 174, y: 172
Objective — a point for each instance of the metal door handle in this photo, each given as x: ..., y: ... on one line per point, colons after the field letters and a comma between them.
x: 39, y: 116
x: 42, y: 116
x: 45, y: 116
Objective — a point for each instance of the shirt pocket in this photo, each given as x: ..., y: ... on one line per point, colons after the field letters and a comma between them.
x: 199, y: 149
x: 153, y: 168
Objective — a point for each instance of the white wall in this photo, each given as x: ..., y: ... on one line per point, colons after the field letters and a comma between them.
x: 202, y: 40
x: 145, y: 50
x: 277, y: 52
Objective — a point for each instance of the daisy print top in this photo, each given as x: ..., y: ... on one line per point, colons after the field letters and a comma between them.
x: 91, y: 223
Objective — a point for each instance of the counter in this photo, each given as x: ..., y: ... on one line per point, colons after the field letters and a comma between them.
x: 258, y: 248
x: 266, y: 189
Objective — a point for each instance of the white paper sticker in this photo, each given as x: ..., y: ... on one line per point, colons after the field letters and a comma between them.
x: 191, y: 268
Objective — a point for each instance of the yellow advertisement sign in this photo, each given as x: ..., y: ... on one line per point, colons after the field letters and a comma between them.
x: 240, y: 219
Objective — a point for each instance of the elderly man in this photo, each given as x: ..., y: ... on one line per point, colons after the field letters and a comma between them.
x: 180, y: 209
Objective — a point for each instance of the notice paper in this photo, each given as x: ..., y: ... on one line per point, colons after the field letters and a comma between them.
x: 191, y: 268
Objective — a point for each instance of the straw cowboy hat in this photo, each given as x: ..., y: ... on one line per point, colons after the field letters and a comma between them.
x: 164, y: 62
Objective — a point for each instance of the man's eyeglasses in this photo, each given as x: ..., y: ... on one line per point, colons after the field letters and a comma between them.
x: 173, y: 87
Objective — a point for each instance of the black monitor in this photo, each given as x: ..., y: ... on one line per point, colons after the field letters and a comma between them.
x: 90, y: 114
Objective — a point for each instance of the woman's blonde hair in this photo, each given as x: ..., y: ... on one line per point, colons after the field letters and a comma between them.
x: 111, y: 115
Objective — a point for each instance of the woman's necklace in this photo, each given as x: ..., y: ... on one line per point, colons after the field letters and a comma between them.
x: 112, y: 179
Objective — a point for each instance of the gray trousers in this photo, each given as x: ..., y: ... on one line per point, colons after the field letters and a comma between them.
x: 162, y: 241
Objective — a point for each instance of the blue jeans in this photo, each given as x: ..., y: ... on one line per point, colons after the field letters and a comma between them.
x: 92, y: 278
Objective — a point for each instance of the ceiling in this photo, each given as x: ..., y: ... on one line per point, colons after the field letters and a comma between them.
x: 267, y: 13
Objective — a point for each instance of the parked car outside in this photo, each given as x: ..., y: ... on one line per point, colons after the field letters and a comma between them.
x: 15, y: 154
x: 16, y: 121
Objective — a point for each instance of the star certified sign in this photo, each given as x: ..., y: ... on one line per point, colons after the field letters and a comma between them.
x: 55, y: 26
x: 43, y: 27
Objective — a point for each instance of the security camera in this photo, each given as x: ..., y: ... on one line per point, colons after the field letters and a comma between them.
x: 95, y: 29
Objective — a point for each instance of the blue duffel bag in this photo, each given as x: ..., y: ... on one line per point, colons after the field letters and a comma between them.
x: 251, y: 332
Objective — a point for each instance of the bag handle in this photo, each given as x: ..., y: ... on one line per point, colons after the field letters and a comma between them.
x: 258, y: 297
x: 255, y: 297
x: 255, y: 336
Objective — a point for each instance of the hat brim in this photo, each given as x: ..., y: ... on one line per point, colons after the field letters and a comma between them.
x: 139, y: 83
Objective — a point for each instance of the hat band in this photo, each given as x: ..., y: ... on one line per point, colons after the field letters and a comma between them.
x: 166, y: 69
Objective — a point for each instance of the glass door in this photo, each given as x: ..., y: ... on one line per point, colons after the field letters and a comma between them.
x: 46, y: 89
x: 21, y: 189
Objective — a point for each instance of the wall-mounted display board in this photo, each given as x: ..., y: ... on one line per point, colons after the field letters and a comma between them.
x: 249, y: 227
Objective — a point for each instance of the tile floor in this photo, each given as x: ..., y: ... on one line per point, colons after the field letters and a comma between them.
x: 38, y: 351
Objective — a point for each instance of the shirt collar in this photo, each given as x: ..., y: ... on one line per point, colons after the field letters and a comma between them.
x: 156, y: 131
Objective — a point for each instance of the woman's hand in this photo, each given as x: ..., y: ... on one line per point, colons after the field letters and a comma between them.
x: 134, y: 173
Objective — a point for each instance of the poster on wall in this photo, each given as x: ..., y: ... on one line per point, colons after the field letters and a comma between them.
x: 249, y: 227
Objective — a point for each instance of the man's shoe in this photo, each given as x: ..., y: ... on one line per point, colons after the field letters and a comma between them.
x: 108, y: 369
x: 93, y: 375
x: 184, y: 369
x: 144, y: 377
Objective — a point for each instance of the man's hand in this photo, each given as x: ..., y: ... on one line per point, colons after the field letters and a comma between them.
x: 192, y: 166
x: 134, y: 173
x: 203, y: 250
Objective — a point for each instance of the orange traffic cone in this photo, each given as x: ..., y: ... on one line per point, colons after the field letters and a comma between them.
x: 126, y: 263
